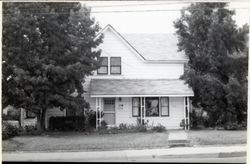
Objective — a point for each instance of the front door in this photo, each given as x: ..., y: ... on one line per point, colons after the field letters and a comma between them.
x: 109, y: 111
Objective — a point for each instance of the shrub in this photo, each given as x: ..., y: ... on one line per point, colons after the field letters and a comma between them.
x: 104, y: 128
x: 10, y: 117
x: 123, y: 126
x: 9, y: 131
x: 182, y: 124
x: 104, y: 125
x: 90, y: 116
x: 29, y: 130
x: 159, y: 128
x: 243, y: 125
x: 235, y: 126
x: 199, y: 119
x: 141, y: 128
x: 114, y: 130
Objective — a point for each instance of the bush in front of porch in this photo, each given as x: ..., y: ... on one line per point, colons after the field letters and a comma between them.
x: 90, y: 126
x: 130, y: 128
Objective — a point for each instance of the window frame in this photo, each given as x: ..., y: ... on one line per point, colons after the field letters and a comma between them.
x: 164, y: 106
x: 139, y: 110
x: 107, y: 66
x: 156, y: 98
x: 120, y: 66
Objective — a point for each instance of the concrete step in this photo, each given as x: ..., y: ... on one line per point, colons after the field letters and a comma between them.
x: 175, y: 143
x: 178, y: 138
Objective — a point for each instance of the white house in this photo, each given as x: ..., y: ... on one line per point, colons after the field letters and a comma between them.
x: 138, y: 81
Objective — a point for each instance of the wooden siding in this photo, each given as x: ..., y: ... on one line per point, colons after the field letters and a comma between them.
x: 124, y: 114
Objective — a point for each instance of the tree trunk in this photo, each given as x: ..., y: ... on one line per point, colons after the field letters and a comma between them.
x: 39, y: 128
x: 41, y: 120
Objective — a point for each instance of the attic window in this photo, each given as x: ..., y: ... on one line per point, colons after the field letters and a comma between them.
x: 115, y: 65
x: 103, y: 70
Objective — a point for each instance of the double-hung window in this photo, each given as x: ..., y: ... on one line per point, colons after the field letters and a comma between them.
x: 164, y: 106
x: 103, y: 70
x: 152, y: 106
x: 135, y: 106
x: 115, y: 65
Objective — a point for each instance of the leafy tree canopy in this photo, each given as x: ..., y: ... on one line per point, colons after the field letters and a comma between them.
x: 218, y: 60
x: 48, y: 50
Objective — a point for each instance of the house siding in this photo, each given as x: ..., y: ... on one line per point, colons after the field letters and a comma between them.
x: 124, y: 115
x: 133, y: 65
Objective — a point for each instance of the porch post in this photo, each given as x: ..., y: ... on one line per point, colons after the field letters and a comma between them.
x: 144, y: 109
x: 96, y: 112
x: 184, y: 113
x: 188, y: 106
x: 141, y: 109
x: 100, y: 110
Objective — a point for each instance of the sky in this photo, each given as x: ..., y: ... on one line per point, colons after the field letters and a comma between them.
x: 151, y: 21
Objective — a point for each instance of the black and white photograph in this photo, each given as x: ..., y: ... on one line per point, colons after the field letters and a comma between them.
x: 125, y: 81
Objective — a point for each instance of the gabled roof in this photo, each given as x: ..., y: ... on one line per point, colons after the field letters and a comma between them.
x: 156, y: 46
x: 151, y: 47
x: 139, y: 87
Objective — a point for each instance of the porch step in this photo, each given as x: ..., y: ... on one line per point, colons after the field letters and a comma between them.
x: 178, y: 138
x: 179, y: 143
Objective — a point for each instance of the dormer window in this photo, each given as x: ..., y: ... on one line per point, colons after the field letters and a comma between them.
x: 115, y: 65
x: 103, y: 70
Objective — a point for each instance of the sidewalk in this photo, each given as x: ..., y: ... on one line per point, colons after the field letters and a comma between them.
x: 175, y: 152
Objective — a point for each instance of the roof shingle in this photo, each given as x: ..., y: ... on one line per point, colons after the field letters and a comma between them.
x: 126, y: 87
x: 156, y: 46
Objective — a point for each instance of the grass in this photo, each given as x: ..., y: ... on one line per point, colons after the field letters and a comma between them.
x: 80, y: 141
x: 217, y: 137
x: 73, y: 141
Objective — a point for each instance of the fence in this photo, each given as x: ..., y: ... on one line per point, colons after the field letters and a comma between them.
x: 67, y: 123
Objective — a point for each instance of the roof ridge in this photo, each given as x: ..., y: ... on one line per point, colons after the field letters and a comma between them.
x: 149, y: 33
x: 134, y: 79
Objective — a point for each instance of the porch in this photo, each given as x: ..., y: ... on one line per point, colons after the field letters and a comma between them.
x: 165, y: 102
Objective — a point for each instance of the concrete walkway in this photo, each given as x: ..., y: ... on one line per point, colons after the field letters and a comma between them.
x: 128, y: 155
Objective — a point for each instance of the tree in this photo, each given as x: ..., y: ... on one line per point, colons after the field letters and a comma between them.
x: 48, y: 50
x: 218, y: 61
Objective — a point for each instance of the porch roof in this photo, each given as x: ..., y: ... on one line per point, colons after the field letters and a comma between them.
x: 139, y: 88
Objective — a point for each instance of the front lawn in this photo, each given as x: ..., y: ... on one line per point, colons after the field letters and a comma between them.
x: 73, y: 141
x: 217, y: 137
x: 80, y: 141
